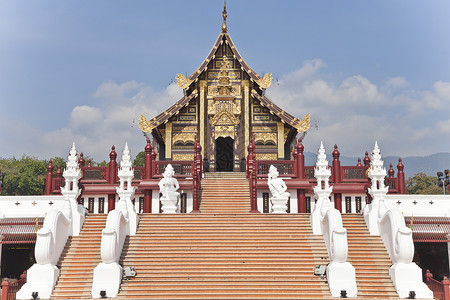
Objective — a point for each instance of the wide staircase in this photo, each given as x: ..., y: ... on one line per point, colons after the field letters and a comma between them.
x: 225, y: 253
x: 78, y: 260
x: 369, y: 256
x: 224, y: 194
x: 224, y: 256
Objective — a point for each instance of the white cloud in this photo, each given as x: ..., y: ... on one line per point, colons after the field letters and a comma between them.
x: 352, y: 113
x: 84, y: 115
x: 94, y: 129
x: 395, y: 83
x: 355, y: 112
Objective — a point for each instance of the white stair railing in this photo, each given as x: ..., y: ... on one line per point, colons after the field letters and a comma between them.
x: 52, y: 237
x: 121, y: 222
x: 390, y: 224
x: 327, y: 221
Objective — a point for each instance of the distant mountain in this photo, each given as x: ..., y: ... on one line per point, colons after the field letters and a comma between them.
x: 430, y: 165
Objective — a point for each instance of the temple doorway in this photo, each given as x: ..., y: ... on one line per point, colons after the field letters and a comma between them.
x: 224, y: 154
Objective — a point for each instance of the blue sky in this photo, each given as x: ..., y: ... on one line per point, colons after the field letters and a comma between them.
x: 82, y: 71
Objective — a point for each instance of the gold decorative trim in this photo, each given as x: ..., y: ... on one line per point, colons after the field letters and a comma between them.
x: 303, y: 125
x: 146, y: 125
x: 183, y: 137
x: 264, y: 129
x: 266, y: 136
x: 224, y: 118
x: 183, y: 156
x: 224, y: 131
x: 182, y: 81
x: 266, y: 156
x: 266, y: 81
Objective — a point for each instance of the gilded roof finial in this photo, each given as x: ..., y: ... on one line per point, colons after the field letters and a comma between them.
x: 224, y: 14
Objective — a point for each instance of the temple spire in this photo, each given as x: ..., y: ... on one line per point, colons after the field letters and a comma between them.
x: 224, y: 14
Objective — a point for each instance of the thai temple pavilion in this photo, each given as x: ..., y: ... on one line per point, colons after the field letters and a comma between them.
x: 224, y: 104
x: 223, y: 208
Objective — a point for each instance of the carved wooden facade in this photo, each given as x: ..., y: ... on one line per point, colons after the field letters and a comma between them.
x: 224, y: 105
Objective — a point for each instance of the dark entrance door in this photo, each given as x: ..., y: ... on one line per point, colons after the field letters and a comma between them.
x: 16, y: 258
x: 224, y: 154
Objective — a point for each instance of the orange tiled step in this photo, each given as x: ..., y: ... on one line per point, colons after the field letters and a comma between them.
x: 78, y: 260
x: 224, y: 256
x: 370, y: 259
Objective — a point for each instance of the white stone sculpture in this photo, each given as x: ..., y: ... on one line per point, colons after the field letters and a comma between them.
x: 126, y: 192
x: 322, y: 190
x: 278, y: 189
x: 390, y: 224
x: 327, y: 220
x: 120, y: 223
x: 50, y: 242
x: 168, y: 187
x: 72, y: 210
x: 51, y: 239
x: 377, y: 208
x: 108, y: 273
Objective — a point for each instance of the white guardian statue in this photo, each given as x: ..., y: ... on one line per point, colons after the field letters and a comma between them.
x: 168, y: 187
x: 278, y: 189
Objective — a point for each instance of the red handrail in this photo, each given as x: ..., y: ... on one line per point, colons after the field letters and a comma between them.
x: 9, y: 289
x: 441, y: 290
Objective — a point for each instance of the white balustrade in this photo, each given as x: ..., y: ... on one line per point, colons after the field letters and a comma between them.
x: 327, y: 221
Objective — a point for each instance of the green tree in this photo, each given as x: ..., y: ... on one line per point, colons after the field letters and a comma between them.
x: 423, y: 184
x: 25, y: 176
x: 140, y: 159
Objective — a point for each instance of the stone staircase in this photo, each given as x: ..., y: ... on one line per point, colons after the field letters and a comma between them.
x: 225, y: 195
x: 370, y: 258
x: 224, y: 256
x: 221, y: 175
x: 225, y: 253
x: 78, y: 260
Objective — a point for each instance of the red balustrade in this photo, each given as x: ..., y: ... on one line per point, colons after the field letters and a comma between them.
x: 353, y: 174
x: 285, y: 167
x: 10, y: 288
x: 441, y: 290
x: 183, y: 169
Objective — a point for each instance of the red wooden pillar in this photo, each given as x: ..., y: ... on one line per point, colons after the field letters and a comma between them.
x: 112, y: 177
x: 112, y: 166
x: 391, y: 171
x: 148, y: 174
x: 148, y: 161
x: 196, y: 177
x: 366, y: 159
x: 147, y: 201
x: 301, y: 201
x: 49, y: 179
x: 401, y: 177
x: 300, y: 160
x: 446, y: 288
x: 252, y: 176
x: 5, y: 288
x: 294, y: 155
x: 337, y: 178
x: 81, y: 161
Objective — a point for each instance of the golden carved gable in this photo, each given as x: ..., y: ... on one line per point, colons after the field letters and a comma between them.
x: 224, y: 118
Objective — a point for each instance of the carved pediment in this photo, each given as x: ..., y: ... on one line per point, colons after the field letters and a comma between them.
x: 224, y: 118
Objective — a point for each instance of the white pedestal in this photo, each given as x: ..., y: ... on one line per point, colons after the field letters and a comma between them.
x: 169, y: 203
x: 279, y: 205
x: 107, y: 277
x: 40, y: 279
x: 341, y: 277
x: 407, y: 278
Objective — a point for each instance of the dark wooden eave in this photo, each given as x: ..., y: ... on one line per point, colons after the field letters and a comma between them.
x: 253, y: 75
x: 283, y: 115
x: 173, y: 110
